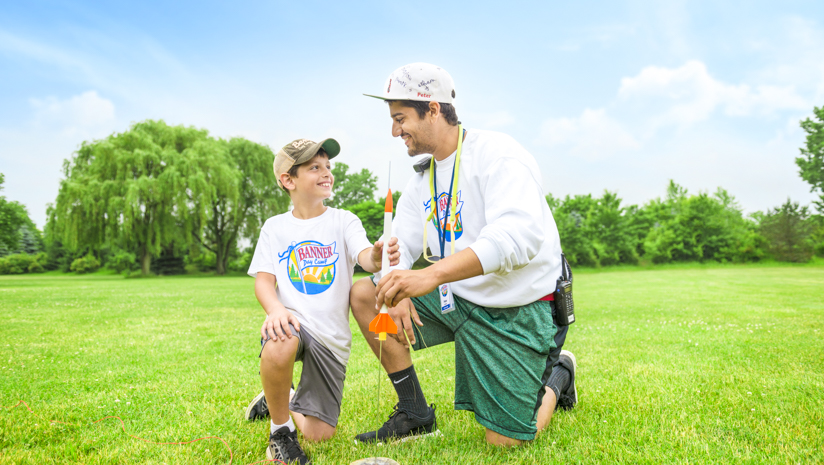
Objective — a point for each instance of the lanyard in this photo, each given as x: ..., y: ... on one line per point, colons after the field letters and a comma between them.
x: 452, y: 201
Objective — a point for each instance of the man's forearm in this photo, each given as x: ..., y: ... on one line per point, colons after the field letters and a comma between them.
x: 463, y: 265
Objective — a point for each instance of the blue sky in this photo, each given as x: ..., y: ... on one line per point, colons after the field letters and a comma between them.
x: 606, y: 95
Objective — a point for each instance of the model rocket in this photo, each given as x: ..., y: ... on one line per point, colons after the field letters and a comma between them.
x: 383, y: 323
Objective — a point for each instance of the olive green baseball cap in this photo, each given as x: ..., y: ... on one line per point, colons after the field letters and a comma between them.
x: 300, y: 151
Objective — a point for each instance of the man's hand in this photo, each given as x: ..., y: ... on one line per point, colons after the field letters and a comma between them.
x: 403, y: 315
x: 276, y: 325
x: 403, y: 284
x: 394, y: 254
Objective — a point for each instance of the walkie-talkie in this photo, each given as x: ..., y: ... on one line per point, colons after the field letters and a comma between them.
x: 564, y: 307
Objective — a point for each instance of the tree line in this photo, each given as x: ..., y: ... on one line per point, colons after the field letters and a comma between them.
x: 171, y: 199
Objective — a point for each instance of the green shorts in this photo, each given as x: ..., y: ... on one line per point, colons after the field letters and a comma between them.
x: 500, y: 358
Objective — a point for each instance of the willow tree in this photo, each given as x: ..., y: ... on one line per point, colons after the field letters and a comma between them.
x: 246, y: 194
x: 133, y: 189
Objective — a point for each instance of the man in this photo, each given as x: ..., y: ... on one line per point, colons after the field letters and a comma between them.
x: 478, y: 206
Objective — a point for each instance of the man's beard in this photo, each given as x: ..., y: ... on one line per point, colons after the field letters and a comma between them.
x: 422, y: 144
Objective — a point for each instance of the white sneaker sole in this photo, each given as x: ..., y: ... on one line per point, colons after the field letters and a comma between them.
x: 252, y: 405
x: 435, y: 434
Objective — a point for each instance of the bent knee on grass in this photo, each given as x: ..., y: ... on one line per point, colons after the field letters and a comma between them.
x: 316, y: 430
x: 497, y: 439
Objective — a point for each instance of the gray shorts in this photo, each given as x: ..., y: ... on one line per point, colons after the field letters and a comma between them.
x: 320, y: 389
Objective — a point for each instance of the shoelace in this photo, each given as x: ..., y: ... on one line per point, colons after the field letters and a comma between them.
x: 392, y: 416
x: 292, y: 446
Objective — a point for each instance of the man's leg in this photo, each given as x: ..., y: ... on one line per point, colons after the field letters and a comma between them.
x: 394, y: 356
x: 412, y: 416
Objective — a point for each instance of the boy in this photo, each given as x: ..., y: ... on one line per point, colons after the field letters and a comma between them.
x: 303, y: 266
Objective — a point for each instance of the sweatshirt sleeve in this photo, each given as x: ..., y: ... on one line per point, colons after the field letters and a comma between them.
x: 514, y: 228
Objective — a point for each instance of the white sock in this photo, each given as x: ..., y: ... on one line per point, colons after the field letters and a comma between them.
x: 273, y: 427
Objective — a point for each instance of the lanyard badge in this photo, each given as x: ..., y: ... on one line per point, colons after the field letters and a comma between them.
x: 444, y: 290
x: 445, y: 293
x: 450, y: 212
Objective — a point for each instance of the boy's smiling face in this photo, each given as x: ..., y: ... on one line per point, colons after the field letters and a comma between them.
x: 314, y: 179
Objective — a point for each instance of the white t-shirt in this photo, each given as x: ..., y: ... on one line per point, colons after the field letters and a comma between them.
x: 502, y: 215
x: 313, y: 261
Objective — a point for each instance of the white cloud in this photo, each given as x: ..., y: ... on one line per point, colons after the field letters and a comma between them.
x: 689, y: 94
x: 22, y: 47
x: 77, y: 115
x: 592, y: 136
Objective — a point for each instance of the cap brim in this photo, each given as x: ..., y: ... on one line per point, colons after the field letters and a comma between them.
x: 377, y: 97
x: 330, y: 146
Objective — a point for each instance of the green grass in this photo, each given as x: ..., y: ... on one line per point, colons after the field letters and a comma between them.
x: 676, y: 365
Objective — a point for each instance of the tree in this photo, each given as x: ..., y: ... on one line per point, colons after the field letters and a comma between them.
x: 788, y: 229
x: 811, y: 163
x: 133, y: 190
x: 246, y: 194
x: 18, y: 234
x: 351, y: 188
x: 570, y: 218
x: 371, y: 215
x: 700, y: 227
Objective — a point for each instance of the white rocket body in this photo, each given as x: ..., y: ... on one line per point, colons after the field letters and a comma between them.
x: 387, y: 233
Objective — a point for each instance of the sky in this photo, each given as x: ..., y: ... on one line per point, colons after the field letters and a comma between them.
x: 613, y: 95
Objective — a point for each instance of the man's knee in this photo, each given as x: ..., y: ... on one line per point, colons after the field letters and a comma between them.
x: 362, y: 300
x: 497, y: 439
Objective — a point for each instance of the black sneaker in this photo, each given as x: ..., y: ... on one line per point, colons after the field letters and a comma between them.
x: 569, y: 397
x: 403, y: 425
x: 284, y: 446
x: 258, y: 409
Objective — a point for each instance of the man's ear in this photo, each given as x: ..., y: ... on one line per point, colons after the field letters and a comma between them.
x: 434, y: 109
x: 287, y: 181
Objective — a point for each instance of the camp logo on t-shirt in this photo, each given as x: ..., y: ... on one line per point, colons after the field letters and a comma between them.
x: 310, y: 265
x: 443, y: 200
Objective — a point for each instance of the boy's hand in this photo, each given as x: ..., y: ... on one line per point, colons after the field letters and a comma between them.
x: 276, y: 325
x: 394, y: 253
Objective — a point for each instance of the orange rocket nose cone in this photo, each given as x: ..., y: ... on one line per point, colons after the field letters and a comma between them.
x: 387, y: 208
x: 383, y: 324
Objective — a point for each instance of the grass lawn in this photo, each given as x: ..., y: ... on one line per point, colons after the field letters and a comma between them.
x: 686, y: 364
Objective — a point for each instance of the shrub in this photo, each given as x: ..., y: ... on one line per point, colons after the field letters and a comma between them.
x: 85, y: 264
x: 122, y: 261
x: 241, y: 263
x: 22, y: 263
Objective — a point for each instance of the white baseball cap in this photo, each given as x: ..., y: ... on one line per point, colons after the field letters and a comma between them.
x: 419, y: 81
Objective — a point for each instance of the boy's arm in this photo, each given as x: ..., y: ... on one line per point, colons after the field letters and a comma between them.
x: 370, y: 259
x: 278, y: 318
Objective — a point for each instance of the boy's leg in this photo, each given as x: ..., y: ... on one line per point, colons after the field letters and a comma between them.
x: 316, y: 405
x: 277, y: 360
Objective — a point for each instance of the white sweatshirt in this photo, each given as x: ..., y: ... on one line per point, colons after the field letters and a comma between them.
x: 502, y: 215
